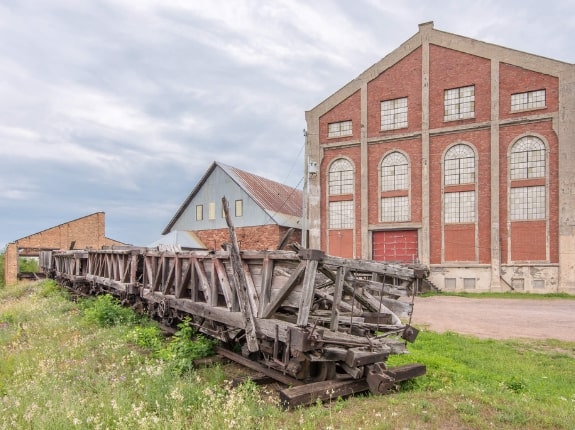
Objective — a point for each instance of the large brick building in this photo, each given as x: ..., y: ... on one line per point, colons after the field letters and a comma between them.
x: 456, y: 153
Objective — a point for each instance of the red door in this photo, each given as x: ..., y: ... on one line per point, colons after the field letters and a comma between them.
x: 341, y: 243
x: 395, y: 245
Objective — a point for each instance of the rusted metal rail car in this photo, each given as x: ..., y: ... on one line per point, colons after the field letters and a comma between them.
x: 314, y: 322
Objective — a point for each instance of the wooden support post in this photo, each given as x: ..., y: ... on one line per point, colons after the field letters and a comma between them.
x: 339, y: 278
x: 241, y: 283
x: 307, y: 293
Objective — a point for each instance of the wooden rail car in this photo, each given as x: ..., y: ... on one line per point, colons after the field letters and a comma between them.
x: 317, y: 323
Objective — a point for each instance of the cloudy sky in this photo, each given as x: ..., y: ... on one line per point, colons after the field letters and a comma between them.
x: 121, y: 105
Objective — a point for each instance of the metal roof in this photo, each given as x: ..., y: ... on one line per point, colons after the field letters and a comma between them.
x: 281, y: 202
x: 270, y: 195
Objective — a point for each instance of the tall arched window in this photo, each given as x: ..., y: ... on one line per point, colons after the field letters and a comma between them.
x: 395, y: 188
x: 341, y: 183
x: 527, y: 161
x: 459, y: 169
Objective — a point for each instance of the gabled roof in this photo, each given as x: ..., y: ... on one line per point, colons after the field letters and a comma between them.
x: 282, y: 203
x: 427, y: 34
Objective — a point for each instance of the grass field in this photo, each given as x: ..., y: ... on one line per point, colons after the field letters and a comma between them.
x: 73, y: 365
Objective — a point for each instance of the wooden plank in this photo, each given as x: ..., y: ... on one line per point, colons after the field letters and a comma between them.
x: 241, y: 283
x: 325, y: 390
x: 252, y: 290
x: 224, y: 282
x: 278, y: 376
x: 280, y: 296
x: 266, y: 286
x: 307, y: 292
x: 203, y: 284
x: 339, y: 278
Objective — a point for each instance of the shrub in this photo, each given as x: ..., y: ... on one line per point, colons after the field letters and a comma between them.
x: 107, y: 311
x: 185, y: 346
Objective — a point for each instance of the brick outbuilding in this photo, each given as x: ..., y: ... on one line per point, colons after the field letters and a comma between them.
x: 82, y: 233
x: 455, y: 153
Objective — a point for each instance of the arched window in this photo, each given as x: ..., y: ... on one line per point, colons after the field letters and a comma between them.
x: 527, y: 158
x: 340, y: 182
x: 394, y: 178
x: 394, y: 172
x: 340, y: 177
x: 459, y: 169
x: 459, y: 165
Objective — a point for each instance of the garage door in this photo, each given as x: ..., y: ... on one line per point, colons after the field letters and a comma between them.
x: 395, y: 245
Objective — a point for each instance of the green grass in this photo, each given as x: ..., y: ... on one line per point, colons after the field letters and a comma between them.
x: 61, y: 370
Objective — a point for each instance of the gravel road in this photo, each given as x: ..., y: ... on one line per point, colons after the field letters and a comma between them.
x: 497, y: 318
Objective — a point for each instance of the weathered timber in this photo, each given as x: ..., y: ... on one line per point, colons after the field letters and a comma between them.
x: 280, y: 377
x: 241, y: 283
x: 332, y: 389
x: 325, y: 390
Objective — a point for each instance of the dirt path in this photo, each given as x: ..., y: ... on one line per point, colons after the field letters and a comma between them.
x: 497, y: 318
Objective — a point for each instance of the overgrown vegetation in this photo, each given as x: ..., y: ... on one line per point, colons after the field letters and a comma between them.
x: 61, y: 368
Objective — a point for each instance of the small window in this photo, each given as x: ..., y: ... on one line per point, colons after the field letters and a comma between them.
x: 528, y: 100
x: 239, y: 208
x: 199, y: 212
x: 450, y: 283
x: 394, y: 114
x: 518, y: 284
x: 469, y: 283
x: 539, y: 284
x: 459, y: 103
x: 212, y: 211
x: 338, y: 129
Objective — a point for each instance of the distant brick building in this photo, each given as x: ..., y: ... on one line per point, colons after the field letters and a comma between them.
x: 262, y: 210
x: 456, y: 153
x: 81, y: 233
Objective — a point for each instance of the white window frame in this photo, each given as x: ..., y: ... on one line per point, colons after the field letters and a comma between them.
x: 459, y: 207
x: 459, y: 165
x: 528, y: 159
x: 394, y: 114
x: 395, y: 209
x: 528, y: 100
x: 459, y: 103
x: 239, y: 208
x: 199, y: 212
x: 341, y: 214
x: 340, y: 177
x: 528, y: 203
x: 211, y: 211
x: 339, y: 129
x: 395, y: 172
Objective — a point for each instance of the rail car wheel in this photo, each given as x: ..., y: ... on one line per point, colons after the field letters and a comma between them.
x: 322, y: 371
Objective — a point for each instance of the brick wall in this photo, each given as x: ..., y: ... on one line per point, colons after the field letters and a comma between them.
x: 256, y: 238
x: 401, y: 80
x: 85, y: 232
